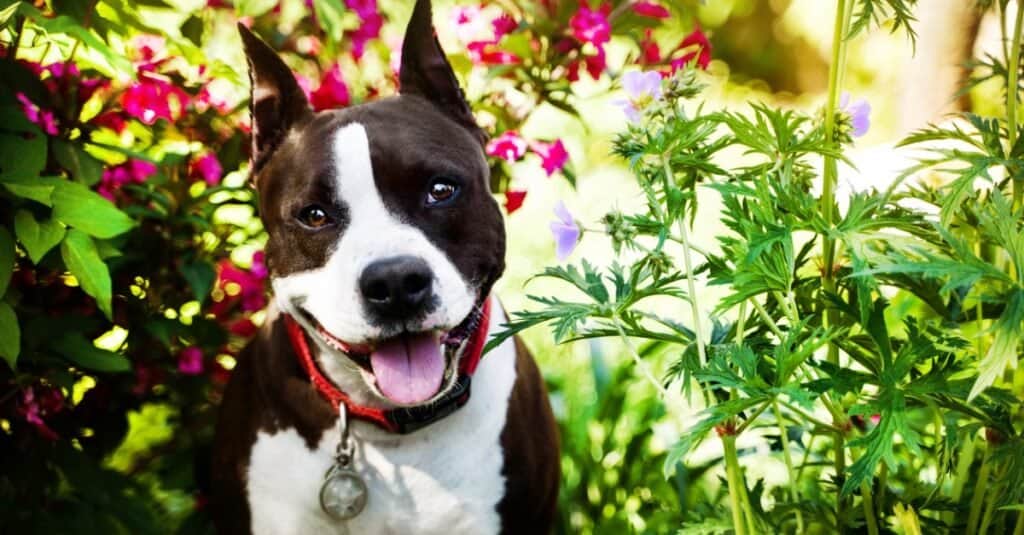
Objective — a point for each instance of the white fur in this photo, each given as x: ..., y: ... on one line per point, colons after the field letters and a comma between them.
x: 331, y: 293
x: 444, y: 479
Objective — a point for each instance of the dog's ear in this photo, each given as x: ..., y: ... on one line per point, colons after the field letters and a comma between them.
x: 426, y: 72
x: 276, y: 102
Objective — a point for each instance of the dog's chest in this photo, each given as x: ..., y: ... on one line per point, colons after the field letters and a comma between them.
x: 445, y: 478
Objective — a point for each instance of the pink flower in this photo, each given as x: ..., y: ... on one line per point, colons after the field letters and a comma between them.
x: 503, y: 25
x: 514, y: 200
x: 259, y: 266
x: 508, y: 146
x: 653, y: 10
x: 132, y: 171
x: 208, y: 168
x: 369, y: 28
x: 34, y: 407
x: 110, y: 119
x: 698, y: 47
x: 470, y: 25
x: 591, y: 26
x: 190, y: 361
x: 44, y: 119
x: 596, y: 64
x: 487, y: 53
x: 241, y: 286
x: 149, y: 47
x: 332, y: 93
x: 553, y: 155
x: 152, y: 98
x: 565, y: 230
x: 650, y: 52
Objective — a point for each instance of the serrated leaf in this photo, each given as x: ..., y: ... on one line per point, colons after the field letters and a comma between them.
x: 10, y: 335
x: 84, y: 262
x: 81, y: 208
x: 83, y: 353
x: 37, y: 237
x: 6, y: 259
x: 1003, y: 351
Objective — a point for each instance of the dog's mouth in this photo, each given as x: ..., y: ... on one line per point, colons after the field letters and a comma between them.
x: 412, y: 367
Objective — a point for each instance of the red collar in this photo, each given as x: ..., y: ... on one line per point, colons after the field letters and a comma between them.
x: 406, y: 419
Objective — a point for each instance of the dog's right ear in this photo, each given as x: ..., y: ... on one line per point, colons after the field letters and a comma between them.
x: 276, y: 101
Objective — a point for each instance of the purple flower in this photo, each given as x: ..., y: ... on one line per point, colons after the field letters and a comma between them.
x: 859, y: 112
x: 565, y: 231
x: 642, y: 89
x: 190, y: 361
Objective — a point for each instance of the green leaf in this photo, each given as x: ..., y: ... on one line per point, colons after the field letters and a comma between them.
x: 1003, y: 351
x: 84, y: 262
x: 71, y: 27
x: 200, y: 276
x: 37, y: 237
x: 79, y: 207
x: 81, y: 352
x: 329, y: 13
x: 10, y: 335
x: 20, y: 155
x: 39, y: 189
x: 7, y: 14
x: 83, y: 167
x: 6, y: 259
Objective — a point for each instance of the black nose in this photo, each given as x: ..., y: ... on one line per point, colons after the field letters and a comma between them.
x: 398, y: 287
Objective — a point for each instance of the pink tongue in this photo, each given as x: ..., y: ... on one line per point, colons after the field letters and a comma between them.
x: 410, y: 368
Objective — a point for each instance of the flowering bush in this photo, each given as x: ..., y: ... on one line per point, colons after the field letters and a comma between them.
x: 868, y: 343
x: 131, y: 271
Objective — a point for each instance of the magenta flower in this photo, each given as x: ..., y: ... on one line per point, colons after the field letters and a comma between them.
x: 553, y: 155
x: 470, y: 25
x: 332, y: 93
x: 370, y: 24
x: 509, y: 146
x: 591, y: 26
x: 259, y: 266
x: 152, y: 98
x: 697, y: 46
x: 44, y: 119
x: 149, y: 47
x: 650, y: 52
x: 190, y: 361
x: 642, y: 88
x: 859, y: 112
x: 245, y: 287
x: 565, y: 230
x: 514, y: 200
x: 112, y: 120
x: 503, y: 25
x: 132, y: 171
x: 208, y: 168
x: 35, y: 407
x: 653, y: 10
x: 487, y: 53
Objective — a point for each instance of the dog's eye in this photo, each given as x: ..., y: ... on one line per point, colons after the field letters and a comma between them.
x: 441, y: 191
x: 314, y: 216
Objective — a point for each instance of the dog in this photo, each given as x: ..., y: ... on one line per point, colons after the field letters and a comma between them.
x: 351, y: 410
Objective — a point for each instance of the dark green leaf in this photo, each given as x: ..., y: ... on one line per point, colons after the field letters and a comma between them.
x: 81, y: 352
x: 10, y: 335
x: 6, y: 259
x: 200, y: 276
x: 82, y: 166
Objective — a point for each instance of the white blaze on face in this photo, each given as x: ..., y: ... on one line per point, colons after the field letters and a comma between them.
x: 331, y: 293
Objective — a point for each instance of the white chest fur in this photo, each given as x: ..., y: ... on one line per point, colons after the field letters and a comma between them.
x: 444, y: 479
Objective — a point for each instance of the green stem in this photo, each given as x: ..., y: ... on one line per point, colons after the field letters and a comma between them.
x: 828, y: 212
x: 1019, y: 530
x: 691, y: 286
x: 788, y: 457
x: 1013, y: 62
x: 979, y: 493
x: 868, y: 503
x: 733, y: 479
x: 640, y: 363
x: 963, y: 467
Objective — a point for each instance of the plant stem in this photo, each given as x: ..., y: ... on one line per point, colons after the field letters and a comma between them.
x: 640, y: 363
x: 733, y: 477
x: 1013, y: 63
x: 788, y: 457
x: 867, y: 502
x: 828, y: 212
x: 979, y: 492
x: 963, y: 466
x: 1019, y: 530
x: 691, y: 286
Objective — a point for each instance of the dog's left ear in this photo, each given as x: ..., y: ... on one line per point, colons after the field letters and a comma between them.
x: 426, y: 72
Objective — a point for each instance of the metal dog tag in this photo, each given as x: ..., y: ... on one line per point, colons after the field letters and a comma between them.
x: 343, y: 494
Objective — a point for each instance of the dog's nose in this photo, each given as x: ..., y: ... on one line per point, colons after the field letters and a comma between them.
x: 398, y: 287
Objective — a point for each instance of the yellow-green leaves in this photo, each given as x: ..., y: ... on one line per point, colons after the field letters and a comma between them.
x: 84, y: 262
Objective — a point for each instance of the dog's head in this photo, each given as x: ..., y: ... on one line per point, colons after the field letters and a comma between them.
x: 384, y: 238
